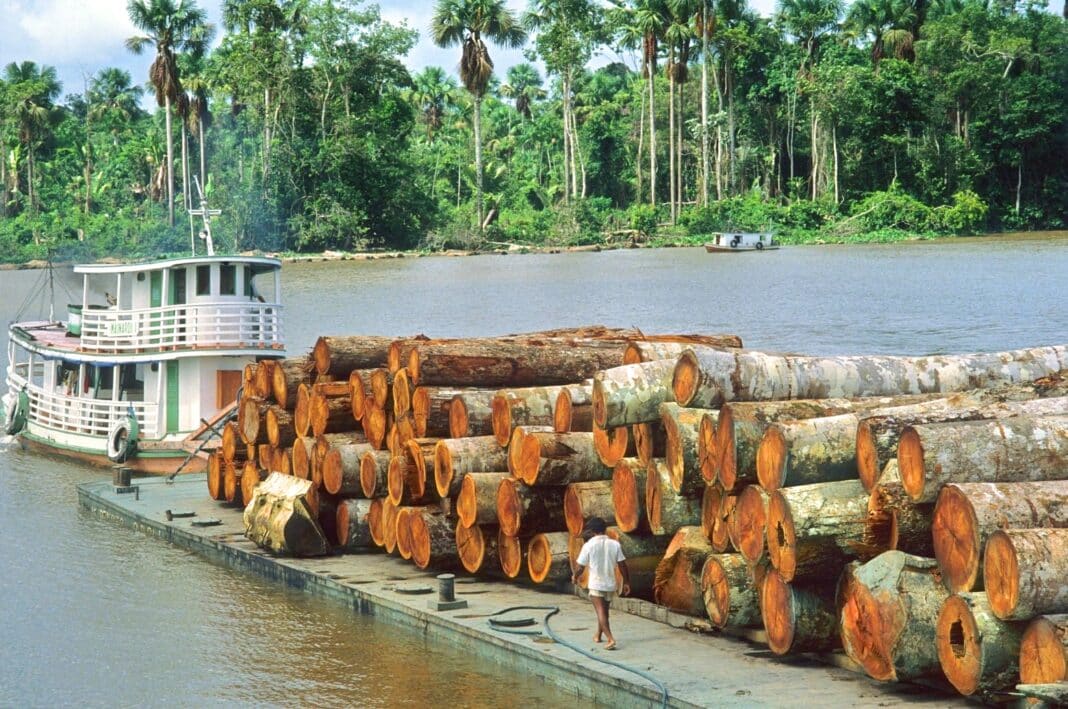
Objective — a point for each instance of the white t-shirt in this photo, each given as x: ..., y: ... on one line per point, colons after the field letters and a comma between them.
x: 601, y: 554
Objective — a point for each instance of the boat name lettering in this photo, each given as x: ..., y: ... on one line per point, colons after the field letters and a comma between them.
x: 120, y: 328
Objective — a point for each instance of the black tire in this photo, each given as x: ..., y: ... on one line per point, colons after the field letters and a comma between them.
x: 760, y: 246
x: 120, y: 443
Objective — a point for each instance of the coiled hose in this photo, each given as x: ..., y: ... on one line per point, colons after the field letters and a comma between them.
x: 553, y: 610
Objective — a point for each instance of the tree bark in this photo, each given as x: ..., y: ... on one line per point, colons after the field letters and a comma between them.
x: 731, y: 598
x: 666, y: 509
x: 1054, y: 694
x: 895, y: 522
x: 681, y: 429
x: 279, y: 423
x: 477, y: 548
x: 706, y: 379
x: 1004, y: 450
x: 632, y: 393
x: 286, y: 376
x: 279, y: 518
x: 338, y: 356
x: 374, y: 473
x: 573, y: 410
x: 529, y: 406
x: 628, y: 494
x: 585, y: 500
x: 341, y: 469
x: 353, y: 529
x: 979, y: 653
x: 1024, y: 571
x: 547, y: 559
x: 477, y: 501
x: 798, y: 618
x: 1044, y: 650
x: 548, y: 458
x: 455, y: 457
x: 889, y: 613
x: 812, y: 530
x: 471, y: 413
x: 528, y: 509
x: 678, y: 576
x: 653, y: 347
x: 819, y: 450
x: 433, y: 541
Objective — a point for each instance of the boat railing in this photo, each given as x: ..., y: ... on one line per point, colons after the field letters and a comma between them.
x: 84, y: 416
x: 214, y: 325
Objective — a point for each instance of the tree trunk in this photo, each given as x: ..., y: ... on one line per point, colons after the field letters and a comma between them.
x: 628, y: 494
x: 264, y: 374
x: 528, y: 509
x: 651, y: 75
x: 672, y: 196
x: 1044, y: 650
x: 585, y: 500
x: 724, y: 516
x: 376, y: 522
x: 666, y: 509
x: 812, y: 530
x: 650, y: 440
x: 250, y: 416
x: 573, y: 410
x: 798, y: 618
x: 612, y: 445
x: 471, y: 413
x: 567, y: 164
x: 548, y: 458
x: 430, y: 411
x: 374, y: 473
x: 186, y: 196
x: 1024, y: 571
x: 1054, y: 694
x: 170, y: 159
x: 751, y: 513
x: 477, y: 548
x: 889, y: 613
x: 704, y: 105
x: 678, y: 576
x: 341, y: 469
x: 979, y: 653
x: 304, y: 457
x: 251, y: 476
x: 433, y: 541
x: 231, y: 490
x: 338, y: 356
x: 1005, y: 450
x: 706, y: 378
x: 895, y: 522
x: 279, y: 518
x: 530, y: 406
x: 330, y: 415
x: 632, y: 393
x: 353, y: 529
x: 731, y: 598
x: 819, y: 450
x: 654, y: 347
x: 279, y: 425
x: 286, y: 376
x: 381, y: 388
x: 402, y: 393
x: 510, y: 554
x: 547, y: 559
x: 681, y: 428
x: 879, y: 433
x: 515, y: 446
x: 478, y: 161
x: 228, y: 445
x: 477, y: 501
x: 456, y: 457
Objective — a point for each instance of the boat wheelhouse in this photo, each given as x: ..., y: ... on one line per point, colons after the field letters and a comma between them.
x: 730, y: 241
x: 152, y: 355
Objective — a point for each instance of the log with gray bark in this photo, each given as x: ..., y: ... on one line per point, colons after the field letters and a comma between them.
x: 585, y: 500
x: 731, y: 598
x: 549, y: 458
x: 430, y: 410
x: 528, y: 510
x: 341, y: 468
x: 1025, y: 572
x: 338, y: 356
x: 798, y: 618
x: 666, y: 509
x: 433, y: 541
x: 628, y: 494
x: 455, y: 457
x: 573, y: 410
x: 1044, y: 650
x: 477, y: 548
x: 353, y: 528
x: 477, y: 501
x: 681, y: 430
x: 547, y: 559
x: 612, y: 445
x: 979, y: 653
x: 671, y: 346
x: 678, y: 576
x: 374, y: 473
x: 529, y: 406
x: 650, y: 440
x: 632, y: 393
x: 280, y: 518
x: 894, y: 521
x: 471, y: 413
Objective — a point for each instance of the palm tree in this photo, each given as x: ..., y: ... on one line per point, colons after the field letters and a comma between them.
x: 172, y: 26
x: 34, y: 91
x: 643, y: 25
x: 466, y: 23
x: 431, y: 89
x: 112, y: 98
x: 888, y: 23
x: 524, y: 87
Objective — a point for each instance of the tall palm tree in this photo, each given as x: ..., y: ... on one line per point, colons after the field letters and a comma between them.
x: 172, y: 26
x: 888, y: 23
x: 34, y: 90
x: 468, y: 23
x: 523, y: 86
x: 110, y: 98
x: 431, y: 89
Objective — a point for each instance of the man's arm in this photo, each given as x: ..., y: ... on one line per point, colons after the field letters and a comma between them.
x: 576, y: 573
x: 625, y: 573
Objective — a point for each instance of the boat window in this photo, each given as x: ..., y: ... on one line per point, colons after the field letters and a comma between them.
x: 132, y: 388
x: 227, y: 279
x: 248, y: 281
x: 101, y: 381
x: 203, y: 280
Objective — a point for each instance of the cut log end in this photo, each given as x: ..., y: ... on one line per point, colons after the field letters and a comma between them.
x: 369, y: 475
x: 420, y: 540
x: 751, y: 512
x: 685, y: 378
x: 539, y: 558
x: 910, y: 463
x: 598, y: 403
x: 868, y: 467
x: 1001, y: 574
x: 458, y: 421
x: 528, y: 460
x: 1044, y: 652
x: 627, y: 497
x: 332, y: 472
x: 343, y: 525
x: 781, y: 536
x: 509, y: 508
x: 771, y: 459
x: 501, y: 419
x: 959, y: 645
x: 376, y: 521
x: 866, y: 628
x: 510, y: 553
x: 717, y: 589
x: 467, y: 502
x: 726, y: 469
x: 777, y: 609
x: 321, y: 355
x: 955, y: 534
x: 881, y: 526
x: 442, y: 468
x: 471, y: 546
x: 562, y: 412
x: 707, y: 454
x: 405, y: 519
x: 573, y: 511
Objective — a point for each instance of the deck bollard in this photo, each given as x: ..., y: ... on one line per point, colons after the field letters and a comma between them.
x: 121, y: 479
x: 446, y: 600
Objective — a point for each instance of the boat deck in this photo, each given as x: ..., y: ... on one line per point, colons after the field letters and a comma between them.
x: 54, y: 336
x: 699, y: 669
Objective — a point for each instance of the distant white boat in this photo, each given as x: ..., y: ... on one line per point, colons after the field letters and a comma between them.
x: 731, y: 241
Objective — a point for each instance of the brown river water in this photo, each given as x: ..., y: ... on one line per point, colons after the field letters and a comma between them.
x: 95, y: 614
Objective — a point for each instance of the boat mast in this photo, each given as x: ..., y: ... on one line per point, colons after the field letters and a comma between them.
x: 206, y: 214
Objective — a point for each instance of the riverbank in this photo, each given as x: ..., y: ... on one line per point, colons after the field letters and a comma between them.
x: 698, y: 669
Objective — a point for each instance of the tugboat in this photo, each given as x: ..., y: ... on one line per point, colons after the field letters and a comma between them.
x: 734, y: 241
x: 148, y: 364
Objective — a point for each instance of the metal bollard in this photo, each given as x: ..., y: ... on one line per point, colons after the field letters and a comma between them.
x: 446, y: 600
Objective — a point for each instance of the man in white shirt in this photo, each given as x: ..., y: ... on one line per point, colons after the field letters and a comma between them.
x: 603, y: 556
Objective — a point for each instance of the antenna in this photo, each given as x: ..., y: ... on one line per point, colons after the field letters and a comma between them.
x: 206, y: 214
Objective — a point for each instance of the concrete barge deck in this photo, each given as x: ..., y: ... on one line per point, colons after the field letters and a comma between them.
x: 698, y: 669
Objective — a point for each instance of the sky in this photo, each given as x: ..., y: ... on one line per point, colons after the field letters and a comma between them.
x: 80, y: 37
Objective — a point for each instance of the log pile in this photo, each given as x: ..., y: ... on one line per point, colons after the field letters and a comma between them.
x: 912, y: 511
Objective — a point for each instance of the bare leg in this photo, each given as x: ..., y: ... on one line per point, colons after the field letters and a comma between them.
x: 600, y: 605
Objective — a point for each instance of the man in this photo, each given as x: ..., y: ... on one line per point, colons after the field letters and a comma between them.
x: 603, y: 556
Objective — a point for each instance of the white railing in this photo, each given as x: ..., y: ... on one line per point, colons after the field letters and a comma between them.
x: 218, y: 325
x: 87, y: 417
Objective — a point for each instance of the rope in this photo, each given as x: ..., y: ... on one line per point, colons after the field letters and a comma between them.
x: 553, y: 610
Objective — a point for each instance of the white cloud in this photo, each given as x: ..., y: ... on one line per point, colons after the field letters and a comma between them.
x: 59, y: 32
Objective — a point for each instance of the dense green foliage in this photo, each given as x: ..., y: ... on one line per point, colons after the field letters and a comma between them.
x: 891, y: 120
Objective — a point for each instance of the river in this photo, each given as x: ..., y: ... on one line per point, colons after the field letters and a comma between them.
x: 97, y: 615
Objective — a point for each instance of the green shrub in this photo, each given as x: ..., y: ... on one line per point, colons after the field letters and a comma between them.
x: 967, y: 214
x: 643, y: 218
x: 891, y: 209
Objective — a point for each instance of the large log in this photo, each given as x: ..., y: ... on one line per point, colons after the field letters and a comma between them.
x: 731, y: 598
x: 471, y: 413
x: 548, y: 458
x: 643, y: 554
x: 376, y: 522
x: 302, y: 411
x: 231, y: 483
x: 231, y: 443
x: 353, y: 527
x: 681, y: 429
x: 979, y: 652
x: 632, y: 393
x: 879, y: 434
x: 248, y: 381
x: 1044, y: 650
x: 401, y: 480
x: 585, y: 500
x: 628, y: 494
x: 279, y: 518
x: 341, y: 469
x: 515, y: 446
x: 798, y: 618
x: 251, y: 476
x: 215, y: 476
x: 330, y: 414
x: 612, y: 445
x: 381, y: 388
x: 402, y: 392
x: 650, y: 440
x: 374, y: 473
x: 966, y: 514
x: 666, y: 509
x: 477, y: 501
x: 250, y: 413
x: 1003, y: 450
x: 477, y: 548
x: 895, y: 522
x: 812, y: 530
x: 279, y: 424
x: 707, y: 453
x: 671, y: 346
x: 455, y: 457
x: 304, y: 457
x: 573, y: 409
x: 390, y: 513
x: 339, y: 355
x: 360, y: 391
x: 405, y: 518
x: 547, y: 558
x: 375, y: 424
x: 808, y: 451
x: 521, y: 508
x: 1025, y: 572
x: 264, y: 378
x: 751, y: 514
x: 286, y: 376
x: 529, y: 406
x: 678, y: 576
x: 510, y: 554
x: 707, y: 378
x: 889, y: 613
x: 722, y: 506
x: 430, y: 411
